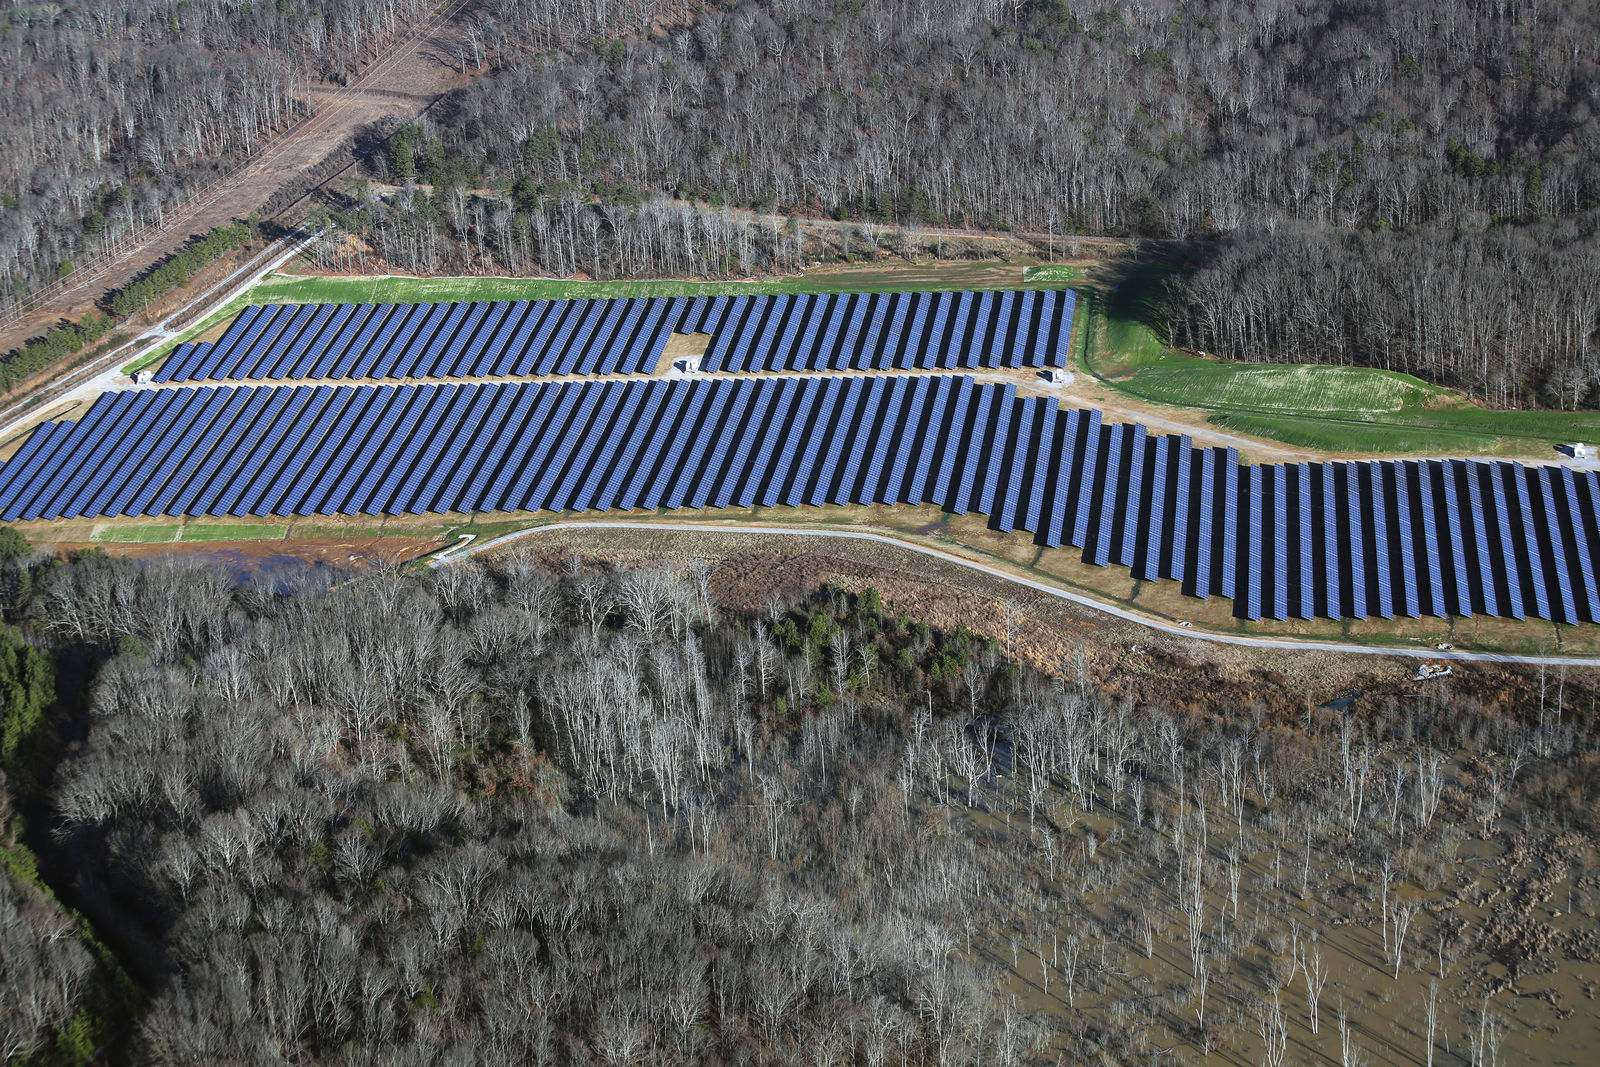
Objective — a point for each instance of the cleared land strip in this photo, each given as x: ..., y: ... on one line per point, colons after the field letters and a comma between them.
x: 473, y: 548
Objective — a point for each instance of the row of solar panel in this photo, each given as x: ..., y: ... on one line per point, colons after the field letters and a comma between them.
x: 323, y: 341
x: 840, y: 331
x: 277, y: 342
x: 1343, y: 540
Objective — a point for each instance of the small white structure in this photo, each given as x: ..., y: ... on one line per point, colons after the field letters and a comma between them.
x: 143, y: 377
x: 1057, y: 376
x: 687, y: 365
x: 1432, y: 670
x: 1580, y: 451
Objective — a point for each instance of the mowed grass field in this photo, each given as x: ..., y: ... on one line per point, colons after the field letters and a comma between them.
x: 1325, y: 408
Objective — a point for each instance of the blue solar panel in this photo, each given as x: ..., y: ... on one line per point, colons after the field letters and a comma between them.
x: 357, y: 459
x: 855, y: 448
x: 342, y: 360
x: 1021, y: 453
x: 190, y: 475
x: 1478, y: 544
x: 1042, y: 354
x: 840, y: 426
x: 643, y: 425
x: 105, y: 468
x: 464, y: 432
x: 1059, y: 494
x: 977, y: 353
x: 1519, y: 540
x: 396, y: 460
x: 497, y: 358
x: 1562, y: 581
x: 1406, y: 560
x: 526, y: 347
x: 1110, y: 474
x: 1228, y: 505
x: 1041, y: 461
x: 396, y: 342
x: 65, y: 473
x: 734, y: 452
x: 544, y: 345
x: 933, y: 352
x: 664, y: 458
x: 913, y: 413
x: 807, y: 454
x: 622, y: 340
x: 251, y: 458
x: 948, y: 441
x: 1089, y: 465
x: 1430, y: 561
x: 458, y: 353
x: 1579, y: 543
x: 1181, y: 463
x: 1204, y: 531
x: 640, y: 463
x: 1369, y: 522
x: 307, y: 491
x: 1354, y: 540
x: 932, y: 433
x: 960, y: 349
x: 233, y: 449
x: 330, y: 318
x: 318, y: 405
x: 1303, y: 571
x: 1329, y: 544
x: 684, y: 476
x: 599, y: 433
x: 263, y: 329
x: 735, y: 434
x: 19, y: 471
x: 1155, y: 548
x: 1252, y: 498
x: 517, y: 496
x: 623, y: 425
x: 464, y: 411
x: 548, y: 493
x: 795, y: 428
x: 206, y: 409
x: 971, y: 444
x: 889, y: 434
x: 1440, y: 477
x: 325, y: 361
x: 988, y: 471
x: 176, y: 370
x: 1278, y: 538
x: 1132, y: 481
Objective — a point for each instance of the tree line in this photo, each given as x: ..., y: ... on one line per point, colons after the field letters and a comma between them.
x: 558, y: 812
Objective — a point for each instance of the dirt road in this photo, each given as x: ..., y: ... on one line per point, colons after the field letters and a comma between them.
x: 398, y: 86
x: 1282, y: 644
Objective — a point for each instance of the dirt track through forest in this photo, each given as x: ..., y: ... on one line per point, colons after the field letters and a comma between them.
x: 394, y: 88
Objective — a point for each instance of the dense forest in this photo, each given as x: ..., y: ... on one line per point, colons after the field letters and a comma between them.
x: 1409, y: 184
x: 537, y: 811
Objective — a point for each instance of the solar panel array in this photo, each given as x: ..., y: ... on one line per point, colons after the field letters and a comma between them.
x: 278, y: 342
x: 839, y: 331
x: 1341, y: 540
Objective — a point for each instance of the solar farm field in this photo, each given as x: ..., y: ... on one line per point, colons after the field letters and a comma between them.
x: 1335, y: 540
x: 837, y: 331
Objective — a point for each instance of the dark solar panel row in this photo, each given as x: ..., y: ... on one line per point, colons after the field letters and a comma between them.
x: 819, y: 332
x: 1340, y: 540
x: 461, y: 340
x: 885, y: 331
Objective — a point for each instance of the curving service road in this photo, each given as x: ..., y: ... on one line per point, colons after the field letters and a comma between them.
x: 466, y: 547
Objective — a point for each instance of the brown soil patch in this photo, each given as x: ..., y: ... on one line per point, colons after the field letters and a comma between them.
x: 266, y: 556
